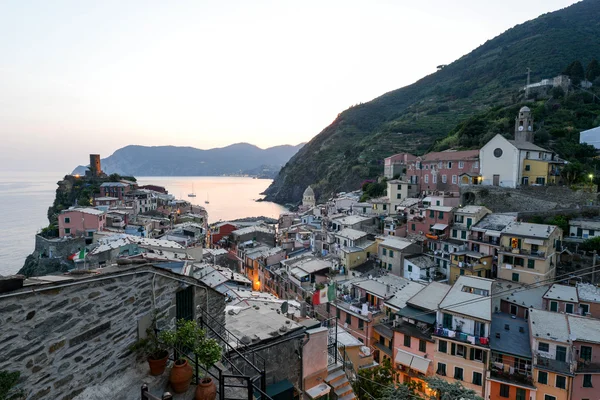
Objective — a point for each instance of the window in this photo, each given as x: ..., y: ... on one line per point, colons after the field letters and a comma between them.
x: 413, y: 227
x: 585, y: 308
x: 337, y: 313
x: 434, y: 178
x: 391, y: 253
x: 561, y: 382
x: 545, y: 347
x: 461, y: 350
x: 327, y: 307
x: 398, y: 195
x: 504, y: 390
x: 389, y: 266
x: 463, y: 234
x: 515, y: 277
x: 454, y: 233
x: 382, y: 340
x: 384, y: 251
x: 585, y: 353
x: 543, y: 377
x: 67, y: 231
x: 444, y: 179
x: 527, y: 167
x: 561, y: 353
x: 431, y: 214
x: 447, y: 321
x: 531, y: 263
x: 440, y: 165
x: 443, y: 346
x: 548, y: 397
x: 348, y: 319
x: 476, y: 354
x: 422, y: 345
x: 441, y: 369
x: 513, y: 309
x: 461, y: 164
x: 476, y: 378
x: 361, y: 324
x: 399, y: 187
x: 426, y: 178
x: 67, y: 220
x: 587, y: 380
x: 441, y: 214
x: 458, y: 373
x: 569, y: 308
x: 554, y: 306
x: 384, y: 207
x: 409, y: 268
x: 454, y: 179
x: 469, y: 222
x: 406, y: 340
x: 449, y: 164
x: 462, y: 271
x: 520, y: 394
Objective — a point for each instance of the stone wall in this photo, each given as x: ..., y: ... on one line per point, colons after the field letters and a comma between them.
x: 527, y: 198
x: 58, y: 248
x: 68, y: 336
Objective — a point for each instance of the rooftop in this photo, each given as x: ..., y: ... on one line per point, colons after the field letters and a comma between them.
x: 494, y: 222
x: 514, y: 340
x: 114, y: 184
x: 85, y: 210
x: 440, y: 208
x: 251, y: 229
x: 529, y: 230
x: 258, y: 322
x: 430, y: 297
x: 585, y: 223
x: 562, y: 293
x: 420, y: 260
x: 588, y: 292
x: 519, y: 294
x: 417, y: 315
x: 309, y: 264
x: 521, y: 145
x: 549, y: 325
x: 351, y: 234
x: 584, y: 329
x: 395, y: 243
x: 402, y: 295
x: 451, y: 155
x: 460, y: 297
x: 351, y: 220
x: 471, y: 210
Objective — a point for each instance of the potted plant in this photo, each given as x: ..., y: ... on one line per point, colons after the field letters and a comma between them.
x: 156, y: 353
x: 207, y: 352
x: 181, y: 340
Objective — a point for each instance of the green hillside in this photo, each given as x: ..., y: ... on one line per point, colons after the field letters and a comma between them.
x: 417, y: 117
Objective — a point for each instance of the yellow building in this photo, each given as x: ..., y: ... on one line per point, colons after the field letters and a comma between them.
x: 527, y: 252
x: 357, y: 255
x: 469, y: 263
x: 540, y: 172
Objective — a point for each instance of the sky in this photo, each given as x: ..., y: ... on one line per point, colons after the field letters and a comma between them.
x: 83, y: 76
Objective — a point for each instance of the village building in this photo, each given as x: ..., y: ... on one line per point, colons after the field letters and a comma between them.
x: 444, y: 171
x: 581, y: 229
x: 218, y: 232
x: 512, y: 163
x: 397, y: 191
x: 465, y: 218
x: 469, y: 263
x: 392, y: 252
x: 463, y: 339
x: 308, y: 198
x: 421, y: 267
x: 528, y: 252
x: 485, y: 235
x: 516, y: 299
x: 354, y: 247
x: 114, y: 189
x: 396, y: 165
x: 81, y: 222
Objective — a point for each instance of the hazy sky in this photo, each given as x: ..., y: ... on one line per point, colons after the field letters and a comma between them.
x: 92, y: 76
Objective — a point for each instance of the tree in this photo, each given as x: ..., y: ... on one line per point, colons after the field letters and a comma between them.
x: 374, y: 381
x: 450, y: 391
x: 572, y: 172
x: 575, y: 72
x: 591, y: 244
x: 593, y: 70
x: 401, y: 392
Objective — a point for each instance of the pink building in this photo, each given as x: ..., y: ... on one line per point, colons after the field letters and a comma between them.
x: 444, y: 170
x: 432, y: 222
x: 394, y: 165
x: 81, y: 222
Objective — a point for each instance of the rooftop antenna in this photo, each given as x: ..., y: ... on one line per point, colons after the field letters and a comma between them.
x: 528, y: 81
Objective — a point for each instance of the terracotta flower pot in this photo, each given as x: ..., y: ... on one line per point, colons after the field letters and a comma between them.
x: 158, y: 365
x: 181, y: 376
x: 206, y: 389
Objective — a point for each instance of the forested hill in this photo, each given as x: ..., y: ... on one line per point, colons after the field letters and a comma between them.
x: 414, y: 117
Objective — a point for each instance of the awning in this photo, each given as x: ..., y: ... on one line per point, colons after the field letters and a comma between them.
x: 404, y: 358
x: 439, y: 227
x: 420, y: 364
x: 493, y: 233
x: 534, y: 241
x: 427, y: 200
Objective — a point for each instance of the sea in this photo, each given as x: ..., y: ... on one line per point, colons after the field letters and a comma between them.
x: 26, y: 196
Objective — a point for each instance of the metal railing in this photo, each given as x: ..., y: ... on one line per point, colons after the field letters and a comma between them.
x: 146, y: 395
x: 552, y: 364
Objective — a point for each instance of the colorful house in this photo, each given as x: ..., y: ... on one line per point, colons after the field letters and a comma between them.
x: 81, y: 222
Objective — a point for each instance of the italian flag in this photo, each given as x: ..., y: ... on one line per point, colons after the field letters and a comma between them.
x: 324, y: 295
x: 80, y: 256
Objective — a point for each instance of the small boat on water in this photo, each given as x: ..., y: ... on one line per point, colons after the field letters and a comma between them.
x: 193, y: 194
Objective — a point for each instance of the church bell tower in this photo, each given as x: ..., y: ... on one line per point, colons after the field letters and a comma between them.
x: 524, y: 126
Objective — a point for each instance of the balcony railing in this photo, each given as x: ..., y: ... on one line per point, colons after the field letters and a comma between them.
x: 515, y: 377
x: 552, y: 364
x: 587, y: 366
x: 462, y: 337
x: 485, y: 240
x: 525, y: 252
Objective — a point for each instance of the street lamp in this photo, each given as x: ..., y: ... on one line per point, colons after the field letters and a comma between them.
x: 591, y: 176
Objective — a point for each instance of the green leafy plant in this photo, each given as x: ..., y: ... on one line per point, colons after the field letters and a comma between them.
x: 8, y: 381
x: 151, y: 346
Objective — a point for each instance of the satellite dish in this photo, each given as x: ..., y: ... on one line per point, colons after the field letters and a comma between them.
x: 284, y: 307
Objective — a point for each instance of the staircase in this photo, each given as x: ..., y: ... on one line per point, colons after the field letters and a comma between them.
x: 337, y: 379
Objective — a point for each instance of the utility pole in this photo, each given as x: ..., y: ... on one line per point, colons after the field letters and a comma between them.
x: 594, y: 268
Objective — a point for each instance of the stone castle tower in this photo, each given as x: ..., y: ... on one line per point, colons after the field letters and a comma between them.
x: 308, y: 198
x: 524, y: 126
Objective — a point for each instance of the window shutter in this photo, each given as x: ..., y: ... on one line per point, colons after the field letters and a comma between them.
x: 472, y: 354
x: 453, y: 349
x: 465, y: 353
x: 519, y: 243
x: 484, y: 358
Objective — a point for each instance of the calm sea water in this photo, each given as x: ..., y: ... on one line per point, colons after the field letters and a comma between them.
x: 25, y: 198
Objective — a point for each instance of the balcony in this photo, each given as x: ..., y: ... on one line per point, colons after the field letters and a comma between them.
x: 439, y: 254
x: 462, y: 337
x: 357, y: 306
x: 485, y: 240
x: 525, y: 252
x: 553, y: 365
x: 516, y: 377
x: 587, y: 366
